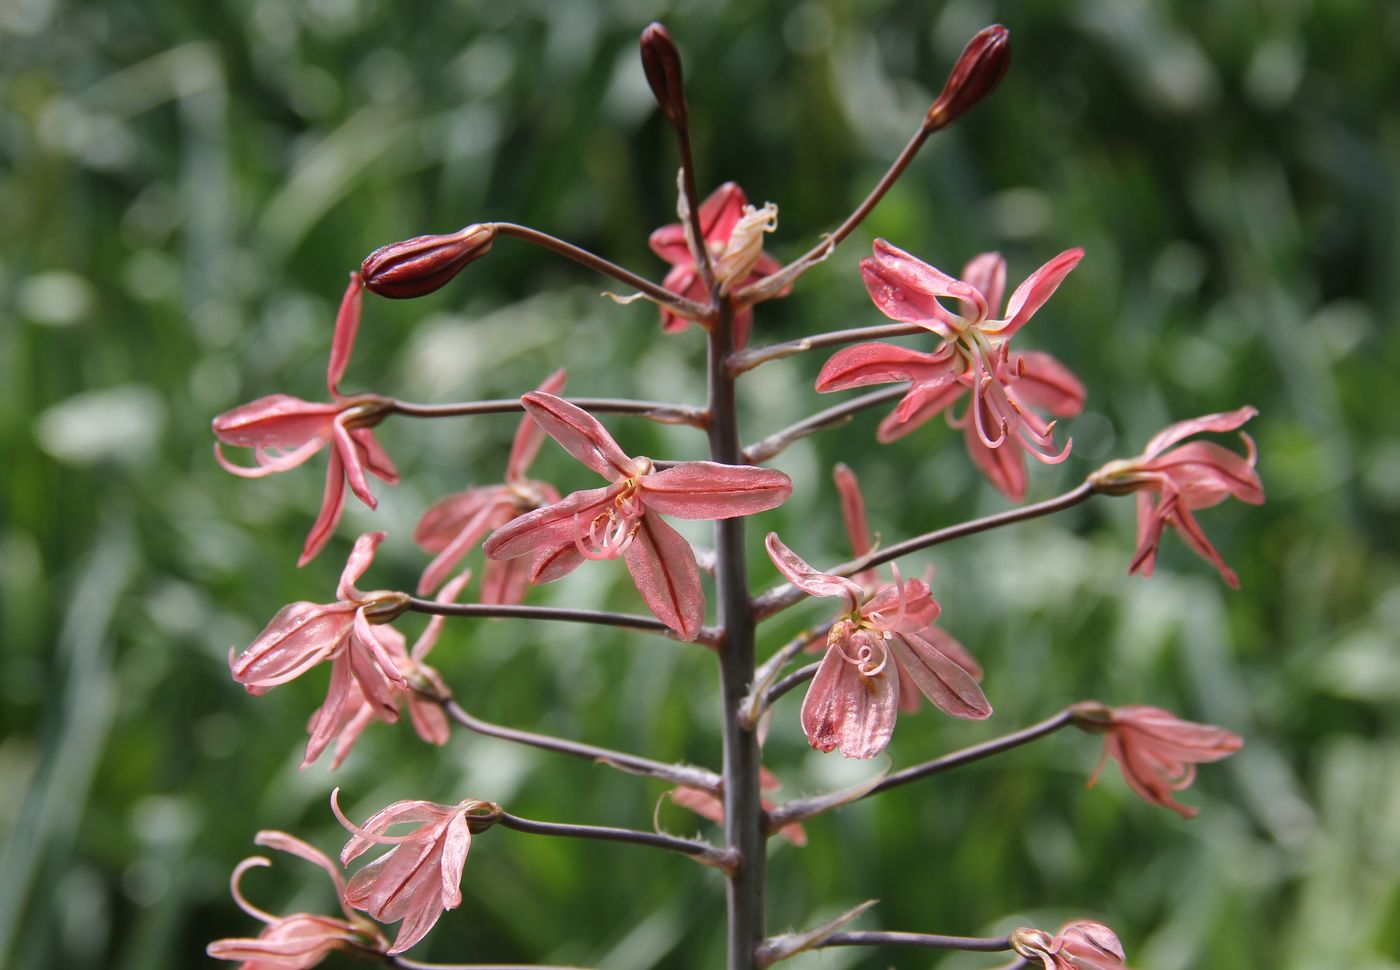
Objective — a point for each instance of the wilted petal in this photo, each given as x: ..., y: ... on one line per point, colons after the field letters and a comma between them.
x: 744, y: 246
x: 709, y: 490
x: 663, y: 568
x: 581, y: 435
x: 845, y: 709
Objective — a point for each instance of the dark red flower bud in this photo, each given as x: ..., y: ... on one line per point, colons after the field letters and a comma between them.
x: 662, y: 64
x: 979, y: 70
x: 420, y: 265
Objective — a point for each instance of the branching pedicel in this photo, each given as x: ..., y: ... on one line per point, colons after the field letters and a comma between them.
x: 881, y: 653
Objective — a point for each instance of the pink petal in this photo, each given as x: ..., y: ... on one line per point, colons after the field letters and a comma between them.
x: 663, y: 568
x: 948, y: 686
x: 709, y: 490
x: 371, y: 833
x: 445, y: 518
x: 456, y: 842
x: 373, y: 455
x: 361, y: 556
x: 529, y: 435
x: 276, y: 421
x: 344, y: 445
x: 472, y: 530
x: 554, y: 562
x: 429, y: 637
x: 300, y: 636
x: 580, y: 434
x: 796, y: 570
x: 721, y: 212
x: 1031, y: 295
x: 1206, y: 474
x: 332, y: 502
x: 1222, y: 422
x: 923, y: 402
x: 846, y: 710
x: 907, y: 289
x: 549, y: 525
x: 290, y: 844
x: 852, y: 509
x: 876, y: 363
x: 429, y: 720
x: 951, y: 648
x: 1047, y: 383
x: 343, y: 699
x: 1005, y: 467
x: 986, y: 274
x: 375, y: 671
x: 347, y: 324
x: 917, y: 610
x: 504, y: 582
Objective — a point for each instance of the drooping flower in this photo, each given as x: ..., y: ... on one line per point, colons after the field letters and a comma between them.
x: 733, y: 232
x: 1172, y: 483
x: 285, y: 431
x: 300, y: 940
x: 345, y: 713
x: 453, y: 526
x: 974, y: 355
x: 1080, y: 945
x: 858, y: 529
x: 624, y: 518
x: 1157, y: 751
x: 304, y: 634
x: 420, y: 878
x: 854, y: 698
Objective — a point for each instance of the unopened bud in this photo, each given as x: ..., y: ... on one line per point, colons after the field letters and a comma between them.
x: 662, y: 64
x: 978, y: 71
x: 420, y: 265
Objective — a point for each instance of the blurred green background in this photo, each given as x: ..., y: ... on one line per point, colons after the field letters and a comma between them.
x: 182, y: 190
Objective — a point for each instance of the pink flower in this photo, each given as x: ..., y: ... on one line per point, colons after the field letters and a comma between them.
x: 974, y: 355
x: 285, y: 431
x: 624, y: 518
x: 301, y: 940
x: 1172, y: 484
x: 454, y: 525
x: 345, y: 713
x: 1081, y: 945
x: 1157, y: 751
x: 858, y: 529
x: 854, y: 699
x: 418, y: 879
x: 303, y: 634
x: 710, y: 805
x: 720, y: 214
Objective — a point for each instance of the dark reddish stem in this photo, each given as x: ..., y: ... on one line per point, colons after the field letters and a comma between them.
x: 405, y: 963
x: 761, y: 451
x: 781, y: 597
x: 689, y: 775
x: 629, y: 621
x: 823, y: 249
x: 930, y: 941
x: 606, y: 833
x: 746, y: 360
x: 657, y: 411
x: 686, y: 308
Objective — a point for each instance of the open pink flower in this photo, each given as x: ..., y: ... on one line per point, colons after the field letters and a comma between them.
x: 1081, y: 945
x: 720, y: 214
x: 304, y: 634
x: 1172, y: 484
x: 345, y: 713
x: 285, y: 431
x: 421, y: 877
x: 858, y: 529
x: 300, y: 940
x: 453, y: 526
x: 1157, y: 751
x: 854, y: 698
x: 974, y: 355
x: 624, y: 518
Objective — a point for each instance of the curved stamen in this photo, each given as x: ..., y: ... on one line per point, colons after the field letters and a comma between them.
x: 362, y: 833
x: 252, y: 862
x: 863, y: 658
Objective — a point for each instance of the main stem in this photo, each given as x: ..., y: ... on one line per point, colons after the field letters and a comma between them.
x: 743, y: 815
